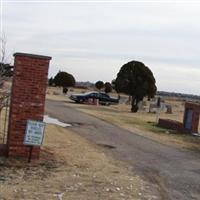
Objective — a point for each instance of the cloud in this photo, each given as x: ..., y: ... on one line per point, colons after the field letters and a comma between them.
x: 101, y: 37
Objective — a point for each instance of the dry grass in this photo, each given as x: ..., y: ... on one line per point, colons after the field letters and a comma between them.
x: 142, y: 123
x: 70, y: 168
x: 55, y: 93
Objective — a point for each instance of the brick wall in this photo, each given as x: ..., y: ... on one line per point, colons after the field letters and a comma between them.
x: 27, y: 99
x: 176, y: 125
x: 172, y: 124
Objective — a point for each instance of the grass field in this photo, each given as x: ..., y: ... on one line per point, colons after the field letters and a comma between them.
x: 142, y: 123
x: 70, y: 168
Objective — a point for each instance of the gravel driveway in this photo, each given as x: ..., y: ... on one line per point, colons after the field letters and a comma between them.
x: 171, y: 172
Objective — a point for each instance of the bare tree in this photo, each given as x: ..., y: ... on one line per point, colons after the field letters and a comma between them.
x: 2, y: 58
x: 3, y: 41
x: 4, y: 66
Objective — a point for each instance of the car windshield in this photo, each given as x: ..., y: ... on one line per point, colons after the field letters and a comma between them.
x: 85, y: 94
x: 104, y: 95
x: 88, y: 93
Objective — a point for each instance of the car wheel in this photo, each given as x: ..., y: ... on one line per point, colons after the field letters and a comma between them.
x: 81, y: 101
x: 102, y: 103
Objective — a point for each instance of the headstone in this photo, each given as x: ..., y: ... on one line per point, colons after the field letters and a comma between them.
x: 169, y: 109
x: 191, y: 117
x: 158, y: 102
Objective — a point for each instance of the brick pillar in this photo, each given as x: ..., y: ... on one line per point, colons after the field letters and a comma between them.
x: 195, y: 115
x: 27, y: 99
x: 195, y: 126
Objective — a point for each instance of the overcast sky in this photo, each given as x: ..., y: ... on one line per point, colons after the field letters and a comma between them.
x: 93, y: 40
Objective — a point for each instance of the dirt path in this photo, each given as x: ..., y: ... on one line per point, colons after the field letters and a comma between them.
x: 174, y: 173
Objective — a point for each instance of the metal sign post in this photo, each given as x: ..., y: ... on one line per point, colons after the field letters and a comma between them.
x: 34, y: 135
x: 30, y: 154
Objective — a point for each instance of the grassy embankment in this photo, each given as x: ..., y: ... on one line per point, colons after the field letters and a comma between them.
x: 142, y: 123
x: 70, y: 168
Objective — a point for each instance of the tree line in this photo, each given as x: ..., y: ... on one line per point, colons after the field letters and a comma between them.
x: 134, y: 79
x: 65, y: 80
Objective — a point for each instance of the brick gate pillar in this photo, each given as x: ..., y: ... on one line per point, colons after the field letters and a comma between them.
x: 27, y: 99
x: 195, y: 113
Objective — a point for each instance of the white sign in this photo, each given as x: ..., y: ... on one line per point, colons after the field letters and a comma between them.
x: 34, y: 133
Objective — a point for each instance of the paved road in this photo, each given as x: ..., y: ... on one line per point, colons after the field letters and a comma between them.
x: 173, y: 172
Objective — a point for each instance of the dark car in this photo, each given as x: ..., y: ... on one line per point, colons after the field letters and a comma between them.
x: 104, y: 99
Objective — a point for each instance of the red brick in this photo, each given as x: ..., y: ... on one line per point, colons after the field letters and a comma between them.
x: 27, y: 100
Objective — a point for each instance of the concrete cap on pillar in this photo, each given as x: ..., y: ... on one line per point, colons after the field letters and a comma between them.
x: 32, y: 56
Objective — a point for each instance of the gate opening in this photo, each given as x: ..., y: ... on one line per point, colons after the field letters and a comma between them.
x: 4, y: 118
